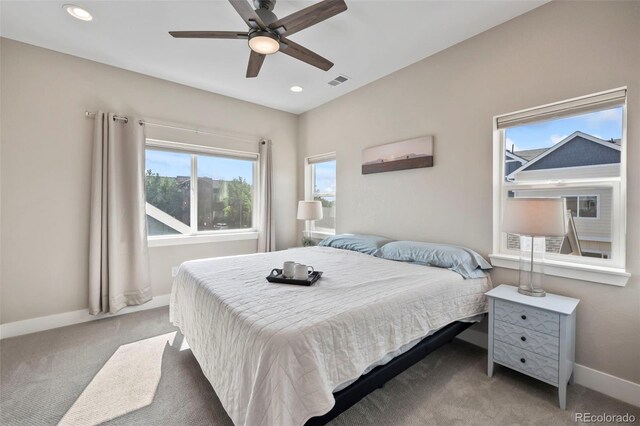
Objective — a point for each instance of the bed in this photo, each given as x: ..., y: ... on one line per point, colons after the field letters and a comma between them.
x: 278, y: 354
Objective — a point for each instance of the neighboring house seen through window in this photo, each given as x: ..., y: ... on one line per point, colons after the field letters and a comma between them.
x: 321, y: 186
x: 571, y: 150
x: 190, y: 192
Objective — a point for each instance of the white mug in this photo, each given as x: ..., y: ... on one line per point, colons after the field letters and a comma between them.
x: 288, y: 269
x: 302, y: 271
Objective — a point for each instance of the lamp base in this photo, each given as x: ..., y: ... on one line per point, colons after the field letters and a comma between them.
x: 536, y: 292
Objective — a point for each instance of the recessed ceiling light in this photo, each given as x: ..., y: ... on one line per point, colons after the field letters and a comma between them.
x: 296, y: 89
x: 77, y: 12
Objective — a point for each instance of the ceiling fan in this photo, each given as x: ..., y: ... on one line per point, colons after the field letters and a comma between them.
x: 267, y: 34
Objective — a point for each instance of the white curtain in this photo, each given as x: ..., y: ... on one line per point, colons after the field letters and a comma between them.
x: 266, y: 227
x: 118, y: 254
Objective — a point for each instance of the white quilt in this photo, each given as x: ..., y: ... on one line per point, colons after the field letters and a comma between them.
x: 274, y: 353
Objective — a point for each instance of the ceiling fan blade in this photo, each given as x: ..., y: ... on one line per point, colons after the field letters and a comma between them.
x: 305, y: 55
x: 248, y: 14
x: 209, y: 34
x: 255, y: 63
x: 309, y: 16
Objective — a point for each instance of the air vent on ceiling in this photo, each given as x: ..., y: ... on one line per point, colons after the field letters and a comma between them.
x: 339, y: 80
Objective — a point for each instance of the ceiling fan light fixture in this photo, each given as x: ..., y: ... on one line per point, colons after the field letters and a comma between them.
x: 263, y: 42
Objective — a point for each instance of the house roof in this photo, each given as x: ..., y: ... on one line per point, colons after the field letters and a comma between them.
x: 536, y: 155
x: 514, y: 156
x: 530, y: 154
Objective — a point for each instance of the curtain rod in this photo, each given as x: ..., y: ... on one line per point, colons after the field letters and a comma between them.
x: 115, y: 117
x: 184, y: 129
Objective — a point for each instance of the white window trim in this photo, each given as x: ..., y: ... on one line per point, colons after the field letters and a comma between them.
x: 598, y: 274
x: 219, y: 236
x: 554, y: 169
x: 309, y: 178
x: 604, y: 271
x: 190, y: 234
x: 200, y: 149
x: 319, y: 234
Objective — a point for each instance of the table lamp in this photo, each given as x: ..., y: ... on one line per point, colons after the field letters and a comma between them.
x: 533, y: 217
x: 309, y: 211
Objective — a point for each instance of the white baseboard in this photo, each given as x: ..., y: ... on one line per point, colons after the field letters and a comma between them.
x: 598, y: 381
x: 607, y: 384
x: 48, y: 322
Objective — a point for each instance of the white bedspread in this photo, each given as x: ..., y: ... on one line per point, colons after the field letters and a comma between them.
x: 274, y: 353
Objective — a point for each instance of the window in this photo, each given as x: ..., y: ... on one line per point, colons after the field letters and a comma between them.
x: 582, y: 206
x: 321, y: 186
x: 193, y: 190
x: 573, y: 150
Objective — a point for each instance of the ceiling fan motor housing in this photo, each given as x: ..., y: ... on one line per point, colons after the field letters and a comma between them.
x: 264, y: 4
x: 267, y: 16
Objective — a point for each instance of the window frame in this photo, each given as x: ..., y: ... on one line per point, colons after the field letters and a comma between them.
x: 606, y: 271
x: 194, y: 236
x: 309, y: 193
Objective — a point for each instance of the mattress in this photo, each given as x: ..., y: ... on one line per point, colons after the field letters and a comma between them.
x: 275, y: 353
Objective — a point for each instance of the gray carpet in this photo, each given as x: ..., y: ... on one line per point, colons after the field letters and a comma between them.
x: 135, y: 369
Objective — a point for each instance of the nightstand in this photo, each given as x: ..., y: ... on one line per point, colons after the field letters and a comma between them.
x: 533, y: 335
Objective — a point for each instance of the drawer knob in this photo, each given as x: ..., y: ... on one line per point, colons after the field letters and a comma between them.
x: 524, y: 339
x: 524, y: 317
x: 522, y: 360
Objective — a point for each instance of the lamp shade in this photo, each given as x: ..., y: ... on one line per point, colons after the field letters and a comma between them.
x: 536, y: 217
x: 309, y: 210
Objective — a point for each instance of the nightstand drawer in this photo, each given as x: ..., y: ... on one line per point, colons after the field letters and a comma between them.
x: 540, y: 343
x: 528, y: 362
x: 528, y: 317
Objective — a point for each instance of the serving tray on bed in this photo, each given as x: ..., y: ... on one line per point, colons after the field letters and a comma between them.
x: 276, y: 277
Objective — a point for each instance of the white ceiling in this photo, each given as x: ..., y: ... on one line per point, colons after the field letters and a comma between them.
x: 368, y: 41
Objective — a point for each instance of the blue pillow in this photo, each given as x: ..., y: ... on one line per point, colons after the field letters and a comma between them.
x: 368, y: 244
x: 462, y: 260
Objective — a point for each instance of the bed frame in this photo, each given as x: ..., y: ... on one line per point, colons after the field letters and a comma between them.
x: 380, y: 375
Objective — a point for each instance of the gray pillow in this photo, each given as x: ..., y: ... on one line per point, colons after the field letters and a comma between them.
x: 368, y: 244
x: 464, y: 261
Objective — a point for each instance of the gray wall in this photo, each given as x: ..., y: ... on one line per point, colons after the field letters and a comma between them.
x: 558, y: 51
x: 45, y: 169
